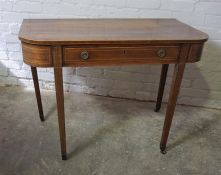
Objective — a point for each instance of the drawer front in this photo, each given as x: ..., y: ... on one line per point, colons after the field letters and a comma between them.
x: 119, y: 55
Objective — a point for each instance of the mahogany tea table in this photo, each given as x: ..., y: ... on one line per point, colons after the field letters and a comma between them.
x: 59, y: 43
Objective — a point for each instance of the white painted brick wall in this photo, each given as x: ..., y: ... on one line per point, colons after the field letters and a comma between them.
x: 201, y: 85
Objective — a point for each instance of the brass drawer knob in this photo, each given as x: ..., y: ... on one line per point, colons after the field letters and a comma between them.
x: 161, y: 53
x: 84, y: 55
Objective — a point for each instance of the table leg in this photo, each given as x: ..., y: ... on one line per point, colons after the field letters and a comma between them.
x: 37, y: 92
x: 60, y: 108
x: 174, y: 91
x: 163, y: 77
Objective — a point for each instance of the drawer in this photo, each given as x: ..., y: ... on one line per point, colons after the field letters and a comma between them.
x: 85, y: 56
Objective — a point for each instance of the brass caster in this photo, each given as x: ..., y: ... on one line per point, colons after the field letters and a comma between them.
x: 163, y: 149
x: 64, y: 157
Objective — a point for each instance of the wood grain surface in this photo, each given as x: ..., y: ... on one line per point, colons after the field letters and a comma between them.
x: 101, y: 31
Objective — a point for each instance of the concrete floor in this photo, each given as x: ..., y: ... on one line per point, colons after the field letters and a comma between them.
x: 105, y: 136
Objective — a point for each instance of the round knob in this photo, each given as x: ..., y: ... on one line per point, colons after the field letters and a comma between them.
x: 84, y: 55
x: 161, y: 53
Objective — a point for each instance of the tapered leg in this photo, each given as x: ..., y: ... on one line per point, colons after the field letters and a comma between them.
x: 37, y: 92
x: 174, y: 91
x: 60, y: 108
x: 161, y: 86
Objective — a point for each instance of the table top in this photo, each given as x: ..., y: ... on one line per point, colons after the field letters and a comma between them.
x: 108, y: 31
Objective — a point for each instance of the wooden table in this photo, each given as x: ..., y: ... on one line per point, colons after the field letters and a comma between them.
x: 62, y: 43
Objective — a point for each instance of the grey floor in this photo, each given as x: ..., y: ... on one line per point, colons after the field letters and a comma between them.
x: 105, y: 136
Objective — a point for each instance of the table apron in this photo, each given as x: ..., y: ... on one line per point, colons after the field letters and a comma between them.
x: 72, y: 56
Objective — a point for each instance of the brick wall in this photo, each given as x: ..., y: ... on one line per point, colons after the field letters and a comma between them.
x: 202, y: 81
